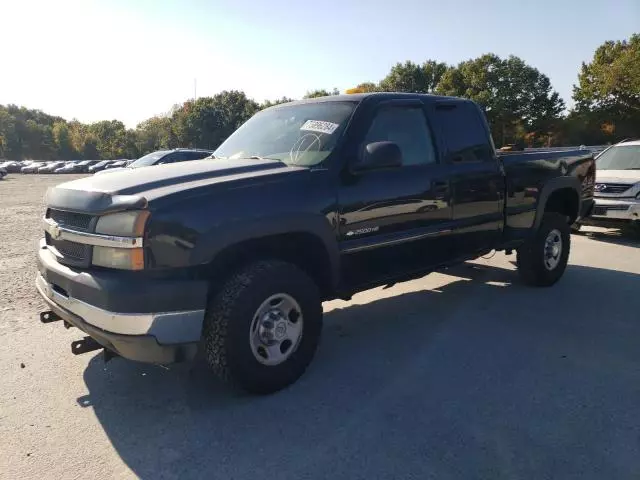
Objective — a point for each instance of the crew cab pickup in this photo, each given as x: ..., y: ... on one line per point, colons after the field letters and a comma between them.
x: 308, y: 201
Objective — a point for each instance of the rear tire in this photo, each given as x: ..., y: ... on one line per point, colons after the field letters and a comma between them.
x: 543, y: 259
x: 235, y: 325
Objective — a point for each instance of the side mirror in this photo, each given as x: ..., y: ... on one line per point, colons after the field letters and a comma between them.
x: 379, y: 156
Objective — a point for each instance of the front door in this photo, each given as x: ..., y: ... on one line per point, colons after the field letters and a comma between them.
x: 396, y: 221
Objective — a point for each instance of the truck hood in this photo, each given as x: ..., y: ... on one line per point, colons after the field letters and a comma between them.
x: 618, y: 176
x: 134, y: 187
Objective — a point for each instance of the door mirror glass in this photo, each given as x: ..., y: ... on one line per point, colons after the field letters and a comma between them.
x: 378, y: 156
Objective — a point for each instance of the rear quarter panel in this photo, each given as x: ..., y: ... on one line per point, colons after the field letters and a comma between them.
x: 532, y: 176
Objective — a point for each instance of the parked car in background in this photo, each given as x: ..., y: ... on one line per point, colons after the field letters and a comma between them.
x: 97, y: 167
x: 32, y: 167
x: 3, y: 172
x: 50, y: 167
x: 84, y: 165
x: 162, y: 157
x: 617, y: 187
x: 67, y: 167
x: 11, y: 166
x: 117, y: 164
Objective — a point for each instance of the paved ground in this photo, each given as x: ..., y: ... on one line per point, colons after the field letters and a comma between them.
x: 467, y: 374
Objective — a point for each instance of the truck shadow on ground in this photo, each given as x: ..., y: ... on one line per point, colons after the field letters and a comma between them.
x: 482, y: 377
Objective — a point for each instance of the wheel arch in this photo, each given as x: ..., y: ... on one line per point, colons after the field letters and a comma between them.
x: 308, y: 243
x: 560, y: 195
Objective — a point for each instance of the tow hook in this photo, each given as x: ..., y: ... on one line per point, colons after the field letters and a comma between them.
x: 49, y: 317
x: 87, y: 344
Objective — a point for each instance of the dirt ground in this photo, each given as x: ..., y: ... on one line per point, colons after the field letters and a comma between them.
x: 462, y: 374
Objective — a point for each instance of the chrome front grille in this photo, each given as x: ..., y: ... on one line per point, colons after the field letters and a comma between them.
x: 612, y: 187
x: 76, y: 221
x: 69, y: 252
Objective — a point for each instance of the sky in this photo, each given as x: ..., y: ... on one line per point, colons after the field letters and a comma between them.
x: 131, y: 59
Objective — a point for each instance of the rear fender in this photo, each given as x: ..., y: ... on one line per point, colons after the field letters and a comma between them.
x: 549, y: 188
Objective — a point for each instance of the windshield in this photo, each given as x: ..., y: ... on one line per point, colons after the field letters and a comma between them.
x: 620, y: 157
x: 148, y: 159
x: 303, y: 134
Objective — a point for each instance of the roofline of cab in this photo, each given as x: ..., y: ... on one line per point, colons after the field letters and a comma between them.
x: 379, y: 96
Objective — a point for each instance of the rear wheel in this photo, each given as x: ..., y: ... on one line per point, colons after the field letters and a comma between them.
x: 262, y: 329
x: 543, y: 258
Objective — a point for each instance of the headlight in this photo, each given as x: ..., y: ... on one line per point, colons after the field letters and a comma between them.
x: 124, y: 224
x: 122, y: 258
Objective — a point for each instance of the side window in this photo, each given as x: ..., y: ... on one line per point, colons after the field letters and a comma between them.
x: 180, y: 157
x: 464, y: 132
x: 197, y: 155
x: 166, y: 159
x: 407, y: 127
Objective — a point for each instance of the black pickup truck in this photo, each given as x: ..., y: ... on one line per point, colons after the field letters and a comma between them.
x: 308, y: 201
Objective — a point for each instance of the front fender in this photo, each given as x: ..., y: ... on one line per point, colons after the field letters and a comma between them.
x: 217, y: 239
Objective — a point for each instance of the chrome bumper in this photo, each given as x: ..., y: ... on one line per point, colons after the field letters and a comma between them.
x: 167, y: 327
x: 613, y: 209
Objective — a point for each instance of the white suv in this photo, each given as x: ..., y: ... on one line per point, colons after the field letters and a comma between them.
x: 617, y: 188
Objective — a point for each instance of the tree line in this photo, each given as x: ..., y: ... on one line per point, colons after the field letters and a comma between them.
x: 520, y: 104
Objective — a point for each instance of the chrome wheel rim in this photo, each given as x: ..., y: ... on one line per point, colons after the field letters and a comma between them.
x: 552, y: 249
x: 276, y: 329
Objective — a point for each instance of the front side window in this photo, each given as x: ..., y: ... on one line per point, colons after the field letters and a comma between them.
x: 300, y: 134
x: 406, y: 127
x: 620, y: 157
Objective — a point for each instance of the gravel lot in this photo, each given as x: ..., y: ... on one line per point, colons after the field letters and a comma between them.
x: 466, y: 374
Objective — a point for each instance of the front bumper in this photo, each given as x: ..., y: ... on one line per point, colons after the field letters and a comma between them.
x: 140, y: 318
x: 616, y: 210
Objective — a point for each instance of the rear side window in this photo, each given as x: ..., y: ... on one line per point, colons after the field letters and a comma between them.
x: 407, y: 127
x: 464, y: 132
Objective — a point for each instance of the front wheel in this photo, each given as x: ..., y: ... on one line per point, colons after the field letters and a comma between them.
x: 262, y: 329
x: 543, y: 258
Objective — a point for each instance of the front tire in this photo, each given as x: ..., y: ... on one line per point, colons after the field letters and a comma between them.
x: 543, y: 259
x: 262, y: 329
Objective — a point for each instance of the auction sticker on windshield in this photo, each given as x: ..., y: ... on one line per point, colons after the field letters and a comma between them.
x: 319, y: 126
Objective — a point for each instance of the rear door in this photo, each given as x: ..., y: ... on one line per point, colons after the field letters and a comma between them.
x: 477, y: 179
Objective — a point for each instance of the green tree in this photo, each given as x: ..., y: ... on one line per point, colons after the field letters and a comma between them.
x: 10, y: 145
x: 208, y: 121
x: 517, y: 98
x: 412, y: 77
x: 367, y: 87
x: 608, y: 90
x: 62, y: 141
x: 153, y: 134
x: 321, y: 93
x: 271, y: 103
